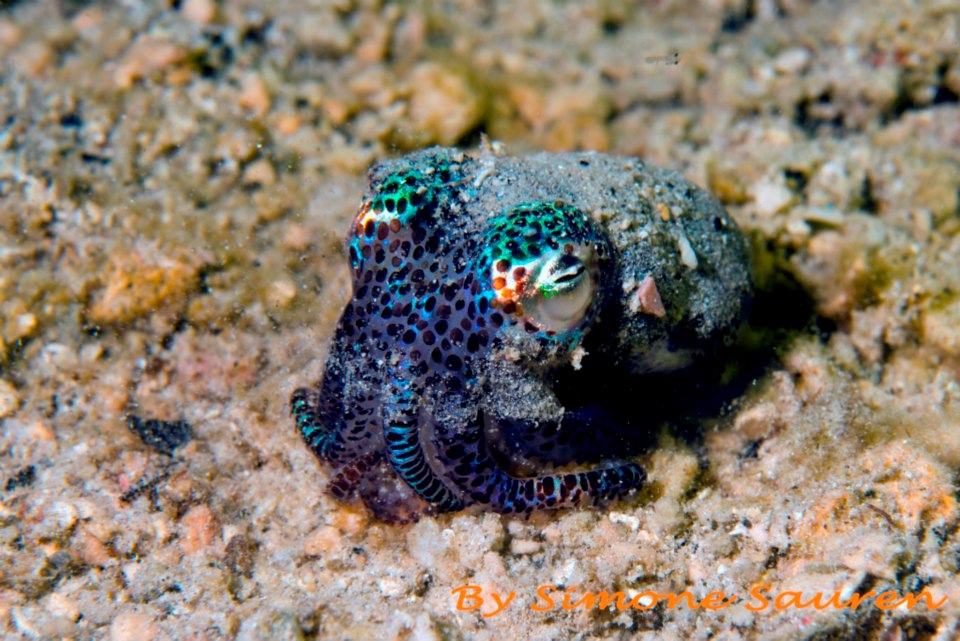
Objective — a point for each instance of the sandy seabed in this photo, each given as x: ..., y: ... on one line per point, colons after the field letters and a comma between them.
x: 176, y: 179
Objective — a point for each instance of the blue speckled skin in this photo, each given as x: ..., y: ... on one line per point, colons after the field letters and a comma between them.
x: 399, y: 416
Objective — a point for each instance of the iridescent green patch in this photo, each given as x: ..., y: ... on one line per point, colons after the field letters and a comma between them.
x: 405, y: 193
x: 531, y: 229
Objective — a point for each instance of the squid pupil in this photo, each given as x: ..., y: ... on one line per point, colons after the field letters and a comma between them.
x: 566, y: 278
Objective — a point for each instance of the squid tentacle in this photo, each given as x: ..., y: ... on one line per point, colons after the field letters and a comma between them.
x: 464, y: 452
x: 317, y: 435
x: 401, y: 430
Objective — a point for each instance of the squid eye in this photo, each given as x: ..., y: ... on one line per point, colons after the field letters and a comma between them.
x: 565, y: 289
x: 568, y: 270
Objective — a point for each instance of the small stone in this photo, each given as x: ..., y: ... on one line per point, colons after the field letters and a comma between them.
x: 64, y: 514
x: 336, y: 110
x: 281, y: 292
x: 24, y: 477
x: 663, y: 211
x: 349, y: 521
x: 269, y: 204
x: 40, y: 623
x: 133, y: 626
x: 59, y: 356
x: 941, y: 329
x: 163, y: 436
x: 63, y: 606
x: 288, y: 124
x: 254, y: 95
x: 322, y: 31
x: 326, y: 539
x: 798, y: 228
x: 757, y: 422
x: 241, y: 554
x: 91, y: 353
x: 92, y: 550
x: 24, y: 326
x: 33, y: 58
x: 199, y: 12
x: 42, y: 431
x: 621, y: 518
x: 578, y: 130
x: 373, y: 47
x: 423, y: 630
x: 443, y: 104
x: 9, y: 399
x: 260, y: 172
x: 771, y: 197
x: 10, y: 33
x: 138, y: 285
x: 792, y: 60
x: 827, y: 216
x: 529, y: 102
x: 687, y: 256
x: 148, y: 55
x: 647, y: 299
x: 200, y: 528
x: 349, y: 159
x: 569, y: 573
x: 297, y: 237
x: 87, y: 20
x: 427, y: 543
x: 524, y: 546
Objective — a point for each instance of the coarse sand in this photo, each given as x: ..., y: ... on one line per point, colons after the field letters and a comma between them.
x: 176, y: 180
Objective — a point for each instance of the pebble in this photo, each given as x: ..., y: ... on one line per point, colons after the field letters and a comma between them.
x: 92, y: 550
x: 941, y: 329
x: 24, y: 326
x: 10, y: 33
x: 147, y: 55
x: 163, y: 436
x: 426, y: 543
x: 137, y: 285
x: 524, y: 546
x: 281, y: 292
x: 199, y: 12
x: 254, y: 95
x: 39, y: 624
x: 423, y: 630
x: 757, y: 422
x: 443, y: 104
x: 288, y: 124
x: 625, y: 519
x: 792, y: 60
x: 770, y: 197
x: 827, y: 216
x: 349, y: 521
x: 297, y: 237
x: 326, y: 539
x: 648, y: 299
x: 9, y: 399
x: 133, y: 626
x: 687, y: 256
x: 63, y: 606
x: 200, y: 528
x: 260, y: 172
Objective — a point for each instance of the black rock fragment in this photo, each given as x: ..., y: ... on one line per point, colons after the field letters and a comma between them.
x: 163, y: 436
x: 23, y: 477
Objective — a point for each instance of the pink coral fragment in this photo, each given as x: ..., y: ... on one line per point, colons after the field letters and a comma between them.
x: 649, y: 298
